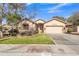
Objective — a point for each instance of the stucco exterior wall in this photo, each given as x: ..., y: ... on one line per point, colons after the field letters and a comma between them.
x: 20, y: 26
x: 34, y: 26
x: 54, y: 23
x: 77, y: 28
x: 54, y: 26
x: 48, y: 24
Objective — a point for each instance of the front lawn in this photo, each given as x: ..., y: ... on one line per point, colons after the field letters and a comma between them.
x: 35, y: 39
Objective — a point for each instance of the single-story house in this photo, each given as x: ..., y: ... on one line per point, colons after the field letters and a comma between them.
x: 53, y: 26
x: 73, y: 28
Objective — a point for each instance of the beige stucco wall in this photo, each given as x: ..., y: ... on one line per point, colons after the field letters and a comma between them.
x: 34, y: 26
x: 31, y: 24
x: 20, y: 27
x: 50, y: 29
x: 77, y: 28
x: 53, y: 23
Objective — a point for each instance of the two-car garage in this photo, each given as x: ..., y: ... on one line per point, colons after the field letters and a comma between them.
x: 54, y: 30
x: 54, y: 26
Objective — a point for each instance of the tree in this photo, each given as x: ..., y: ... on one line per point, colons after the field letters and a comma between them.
x: 14, y: 13
x: 69, y: 19
x: 31, y: 14
x: 17, y: 6
x: 13, y: 18
x: 74, y: 19
x: 2, y: 14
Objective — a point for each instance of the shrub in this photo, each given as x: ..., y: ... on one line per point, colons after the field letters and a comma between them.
x: 0, y: 27
x: 1, y: 34
x: 13, y: 32
x: 69, y: 30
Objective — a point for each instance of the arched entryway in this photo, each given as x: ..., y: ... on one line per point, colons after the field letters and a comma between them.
x: 40, y: 27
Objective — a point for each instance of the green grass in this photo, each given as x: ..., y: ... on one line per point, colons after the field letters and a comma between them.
x: 35, y: 39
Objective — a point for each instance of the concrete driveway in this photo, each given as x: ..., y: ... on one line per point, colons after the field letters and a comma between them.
x: 65, y: 39
x: 68, y: 40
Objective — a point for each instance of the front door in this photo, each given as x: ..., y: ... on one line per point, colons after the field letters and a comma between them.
x: 40, y: 27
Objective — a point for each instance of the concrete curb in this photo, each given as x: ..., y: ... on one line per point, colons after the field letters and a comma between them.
x: 51, y: 39
x: 74, y: 33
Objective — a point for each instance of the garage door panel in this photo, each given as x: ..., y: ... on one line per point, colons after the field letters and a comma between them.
x: 53, y: 30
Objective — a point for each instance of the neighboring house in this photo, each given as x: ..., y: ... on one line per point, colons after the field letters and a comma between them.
x: 73, y: 28
x: 6, y: 27
x: 52, y: 26
x: 68, y: 28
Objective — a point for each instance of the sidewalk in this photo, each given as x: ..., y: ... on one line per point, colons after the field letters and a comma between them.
x: 35, y: 49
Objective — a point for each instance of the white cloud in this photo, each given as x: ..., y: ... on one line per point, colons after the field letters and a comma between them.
x: 29, y: 4
x: 54, y: 11
x: 56, y: 8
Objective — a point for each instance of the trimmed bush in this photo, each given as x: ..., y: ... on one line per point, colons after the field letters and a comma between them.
x: 69, y: 30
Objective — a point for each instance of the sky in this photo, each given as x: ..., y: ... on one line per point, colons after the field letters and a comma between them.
x: 46, y: 11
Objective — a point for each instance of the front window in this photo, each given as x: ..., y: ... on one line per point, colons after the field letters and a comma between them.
x: 25, y: 26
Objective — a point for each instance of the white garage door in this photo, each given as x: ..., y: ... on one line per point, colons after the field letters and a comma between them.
x: 53, y: 30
